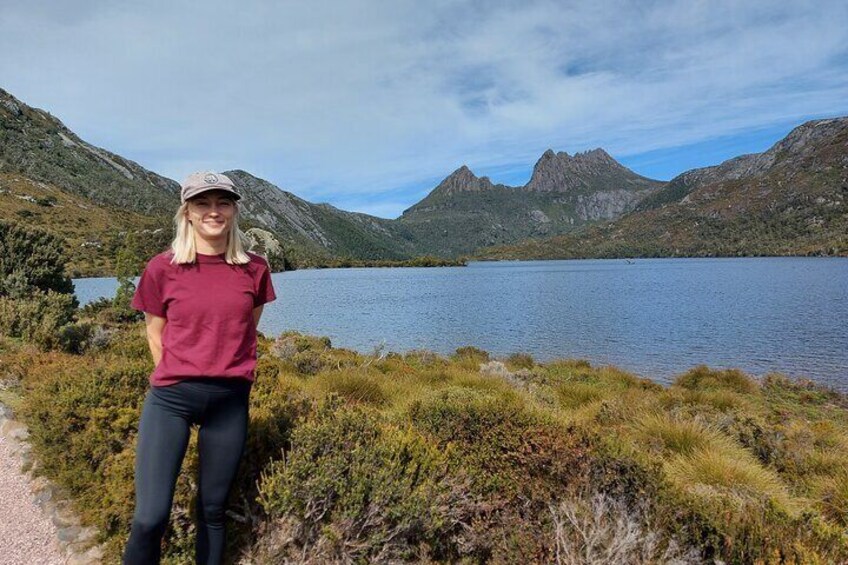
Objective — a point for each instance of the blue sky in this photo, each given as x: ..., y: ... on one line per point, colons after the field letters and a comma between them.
x: 369, y: 104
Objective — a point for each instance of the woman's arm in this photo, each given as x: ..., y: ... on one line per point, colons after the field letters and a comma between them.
x: 154, y: 325
x: 257, y: 313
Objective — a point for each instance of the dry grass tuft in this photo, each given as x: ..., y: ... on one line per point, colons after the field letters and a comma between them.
x: 602, y: 530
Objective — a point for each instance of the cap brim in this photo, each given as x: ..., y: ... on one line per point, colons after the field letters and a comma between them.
x: 234, y: 195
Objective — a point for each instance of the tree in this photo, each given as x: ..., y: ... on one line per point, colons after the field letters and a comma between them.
x: 37, y: 301
x: 31, y: 260
x: 127, y: 266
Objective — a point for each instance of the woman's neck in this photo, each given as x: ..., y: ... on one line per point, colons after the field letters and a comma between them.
x: 206, y: 247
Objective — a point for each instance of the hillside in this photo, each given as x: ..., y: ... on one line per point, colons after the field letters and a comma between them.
x: 789, y: 200
x: 38, y: 146
x: 320, y: 228
x: 51, y: 178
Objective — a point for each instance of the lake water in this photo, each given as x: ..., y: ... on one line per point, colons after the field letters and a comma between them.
x: 654, y: 317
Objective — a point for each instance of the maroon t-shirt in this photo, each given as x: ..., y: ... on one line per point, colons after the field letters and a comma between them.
x: 209, y: 307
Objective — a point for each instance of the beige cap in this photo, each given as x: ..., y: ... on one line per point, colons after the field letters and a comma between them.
x: 196, y: 183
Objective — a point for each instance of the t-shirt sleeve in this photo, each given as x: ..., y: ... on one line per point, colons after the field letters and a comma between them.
x: 148, y: 294
x: 264, y: 287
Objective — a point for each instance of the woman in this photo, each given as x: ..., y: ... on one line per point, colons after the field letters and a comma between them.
x: 202, y: 301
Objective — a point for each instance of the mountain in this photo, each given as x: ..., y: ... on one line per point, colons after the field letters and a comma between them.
x: 465, y: 212
x: 38, y: 146
x: 53, y: 179
x: 460, y: 215
x: 321, y: 228
x: 789, y: 200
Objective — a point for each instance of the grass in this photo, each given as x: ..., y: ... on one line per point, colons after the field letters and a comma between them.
x: 728, y: 474
x: 722, y: 464
x: 669, y: 436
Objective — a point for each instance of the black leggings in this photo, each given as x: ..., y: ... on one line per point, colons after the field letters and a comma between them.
x: 219, y: 407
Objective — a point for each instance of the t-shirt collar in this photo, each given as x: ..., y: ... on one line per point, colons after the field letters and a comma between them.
x: 203, y: 258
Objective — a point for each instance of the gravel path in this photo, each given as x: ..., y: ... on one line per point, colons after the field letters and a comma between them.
x: 27, y: 536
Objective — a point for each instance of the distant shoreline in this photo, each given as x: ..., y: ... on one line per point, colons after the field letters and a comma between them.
x: 463, y: 262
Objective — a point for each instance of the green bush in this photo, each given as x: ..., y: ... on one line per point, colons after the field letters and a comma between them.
x: 358, y: 488
x: 31, y: 259
x: 472, y: 353
x: 505, y: 449
x: 520, y: 361
x: 82, y: 419
x: 41, y: 319
x: 37, y: 303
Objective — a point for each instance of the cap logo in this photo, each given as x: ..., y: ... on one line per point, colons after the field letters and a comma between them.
x: 210, y: 178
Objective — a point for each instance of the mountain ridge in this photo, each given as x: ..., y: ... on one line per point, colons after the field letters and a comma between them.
x: 567, y: 196
x: 791, y: 199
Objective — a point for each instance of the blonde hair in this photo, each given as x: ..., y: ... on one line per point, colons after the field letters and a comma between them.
x: 184, y: 248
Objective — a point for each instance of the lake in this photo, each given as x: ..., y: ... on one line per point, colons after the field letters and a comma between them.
x: 654, y: 317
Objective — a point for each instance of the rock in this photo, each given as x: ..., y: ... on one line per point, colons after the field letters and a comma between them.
x: 44, y: 496
x: 495, y: 368
x: 69, y: 533
x: 90, y: 557
x: 463, y: 180
x: 12, y: 107
x: 14, y: 429
x: 65, y: 517
x: 38, y: 484
x: 87, y: 534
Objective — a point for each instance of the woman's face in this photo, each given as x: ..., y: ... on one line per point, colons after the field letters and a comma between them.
x: 211, y: 214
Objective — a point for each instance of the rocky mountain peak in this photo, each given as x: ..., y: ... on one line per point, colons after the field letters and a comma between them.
x: 463, y: 180
x: 560, y: 172
x: 596, y: 155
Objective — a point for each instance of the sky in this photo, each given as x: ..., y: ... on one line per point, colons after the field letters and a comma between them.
x: 368, y: 105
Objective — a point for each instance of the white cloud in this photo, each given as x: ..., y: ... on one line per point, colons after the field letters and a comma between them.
x: 344, y: 101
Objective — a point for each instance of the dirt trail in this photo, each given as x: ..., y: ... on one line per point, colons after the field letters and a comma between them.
x: 27, y: 536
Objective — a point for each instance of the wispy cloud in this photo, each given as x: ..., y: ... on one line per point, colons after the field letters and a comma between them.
x: 364, y: 103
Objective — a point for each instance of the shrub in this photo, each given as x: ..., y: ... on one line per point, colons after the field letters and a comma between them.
x: 520, y: 361
x: 421, y: 358
x: 576, y: 394
x: 82, y: 419
x: 305, y: 353
x: 290, y: 343
x: 39, y: 318
x: 470, y: 356
x: 505, y: 449
x: 732, y: 476
x: 476, y: 354
x: 833, y: 493
x: 31, y: 259
x: 357, y: 489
